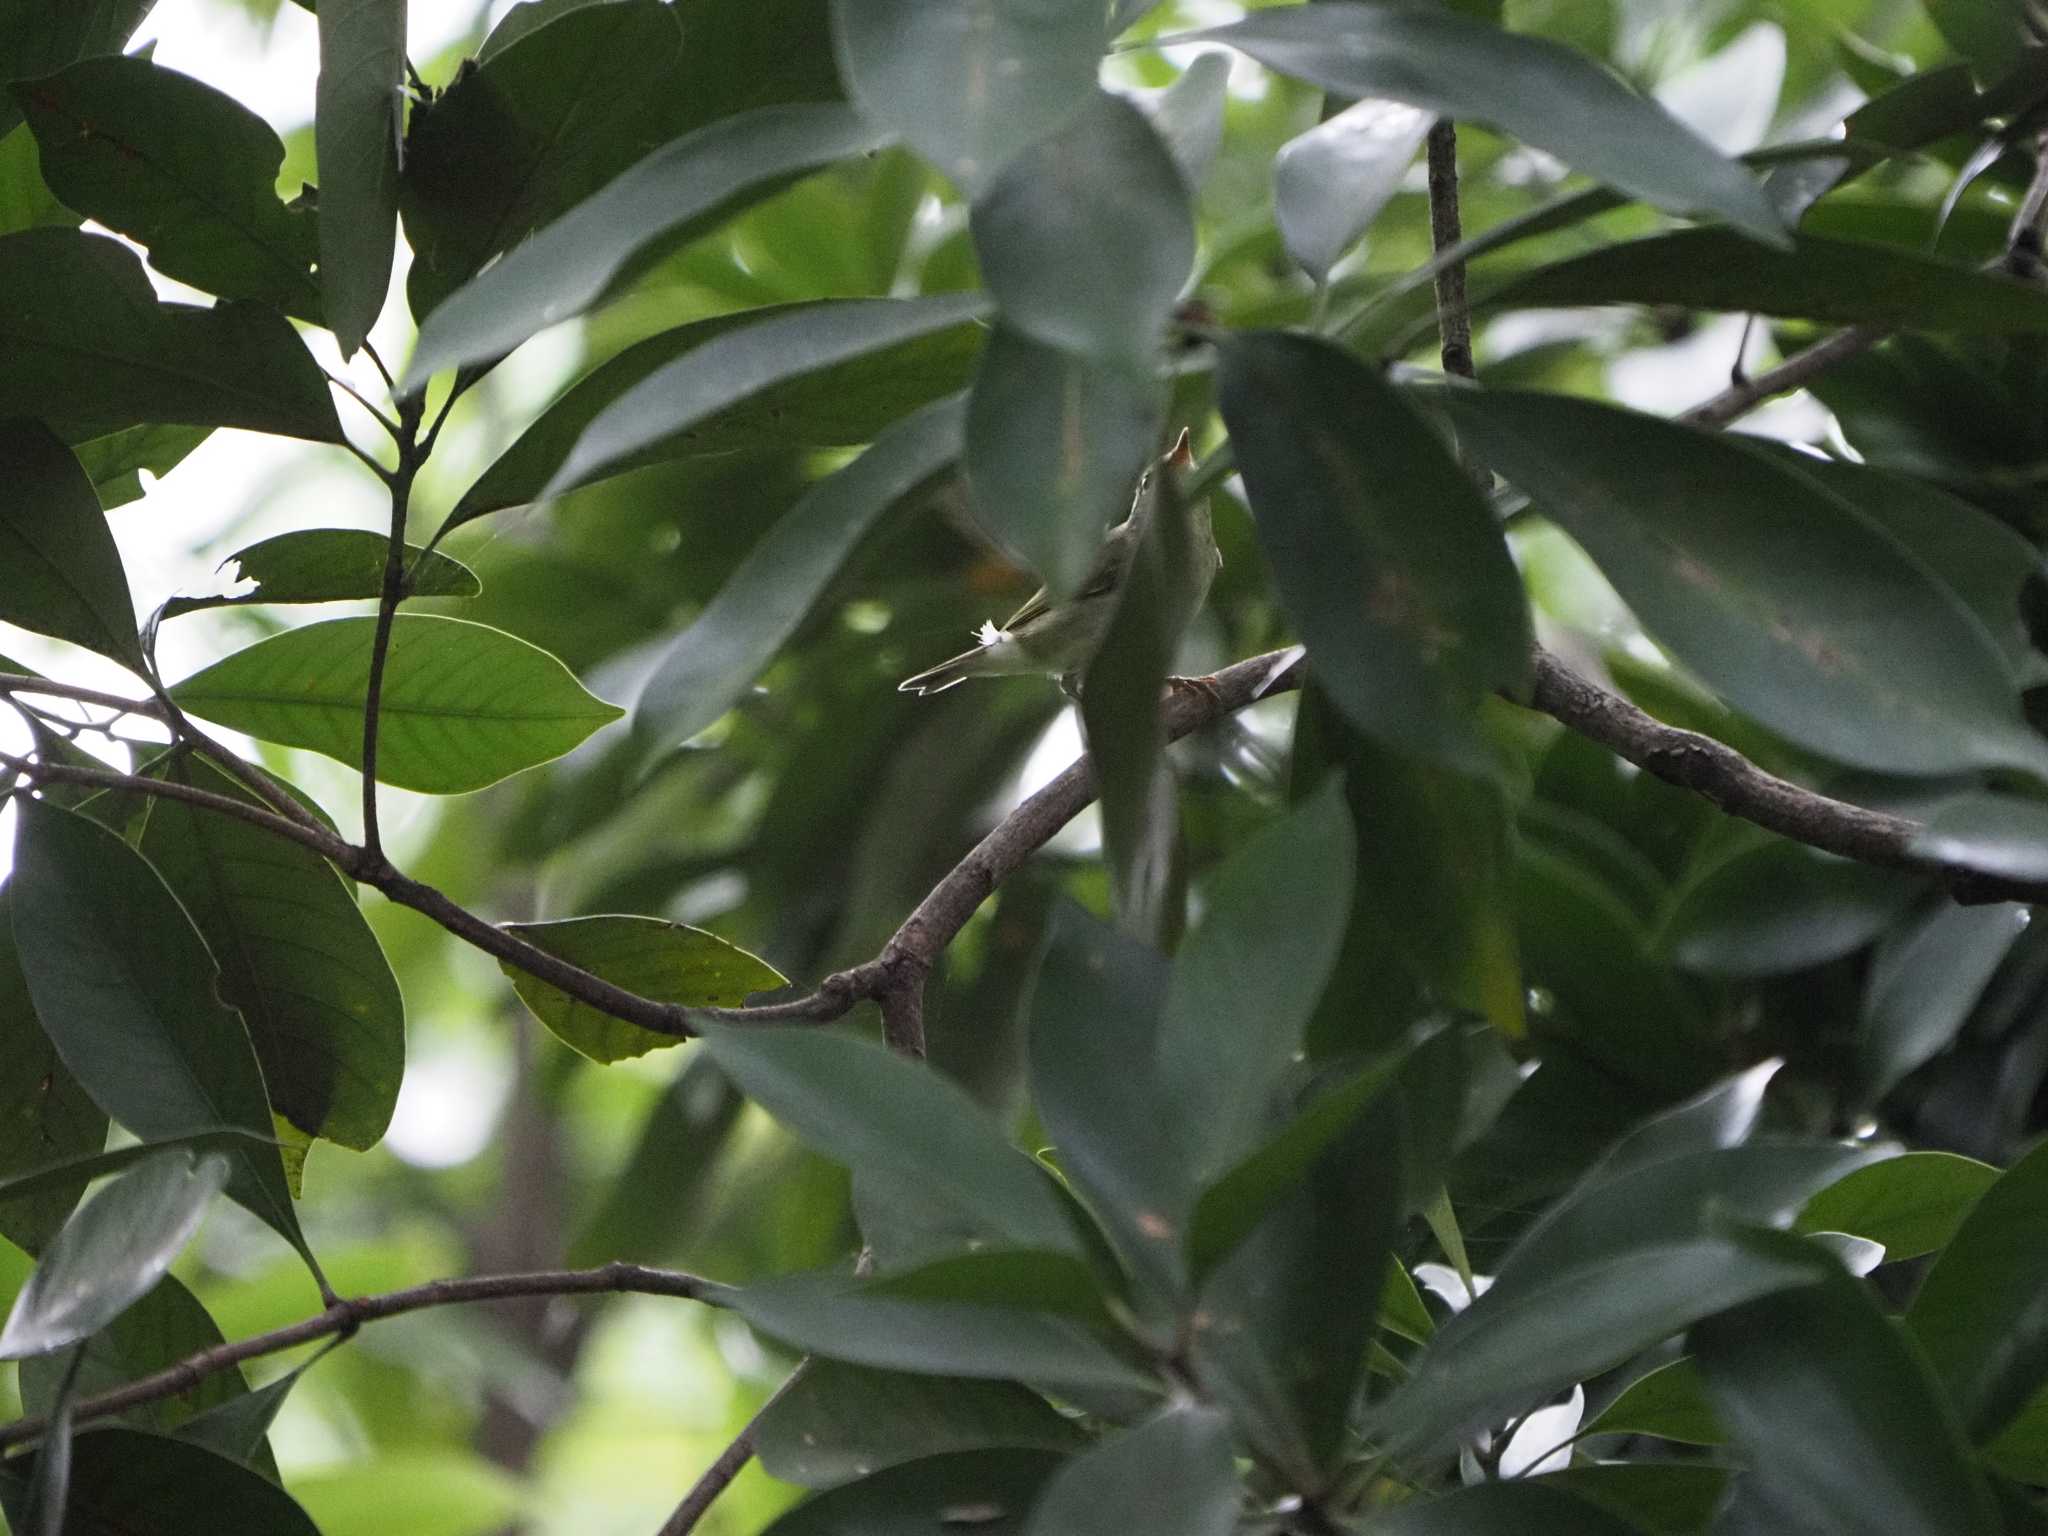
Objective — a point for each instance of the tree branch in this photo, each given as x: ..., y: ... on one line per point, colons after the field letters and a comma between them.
x: 345, y: 1317
x: 729, y: 1464
x: 1446, y: 230
x: 1740, y: 399
x: 380, y: 642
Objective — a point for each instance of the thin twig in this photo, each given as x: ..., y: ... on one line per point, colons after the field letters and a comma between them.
x: 729, y: 1464
x: 1453, y: 310
x: 392, y: 591
x: 363, y: 400
x: 2023, y: 238
x: 346, y: 1316
x: 1797, y: 370
x: 21, y: 682
x: 315, y: 837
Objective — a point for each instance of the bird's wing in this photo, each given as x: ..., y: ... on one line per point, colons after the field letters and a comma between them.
x: 1102, y: 577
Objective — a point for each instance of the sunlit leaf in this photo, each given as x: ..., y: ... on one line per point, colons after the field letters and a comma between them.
x: 1330, y: 183
x: 330, y: 565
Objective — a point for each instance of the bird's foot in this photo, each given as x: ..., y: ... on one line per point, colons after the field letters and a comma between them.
x: 1202, y: 687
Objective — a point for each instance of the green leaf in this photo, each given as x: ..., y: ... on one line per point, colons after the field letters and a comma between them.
x: 463, y: 705
x: 296, y: 959
x: 330, y: 565
x: 660, y: 1193
x: 1913, y: 1203
x: 125, y: 986
x: 1170, y: 1476
x: 1246, y: 981
x: 129, y: 1482
x: 1979, y: 1316
x: 838, y: 1422
x: 1777, y: 907
x: 46, y: 1118
x: 1532, y: 89
x: 1816, y: 278
x: 38, y: 36
x: 1670, y: 1403
x: 862, y: 1105
x: 1784, y: 598
x: 1331, y: 182
x: 80, y: 1170
x: 91, y: 350
x: 730, y: 368
x: 161, y: 1328
x: 64, y: 573
x: 1990, y: 33
x: 116, y: 460
x: 668, y: 962
x: 181, y: 168
x: 1835, y: 1413
x: 842, y: 405
x: 239, y: 1428
x: 1086, y: 238
x: 1188, y: 116
x: 680, y: 189
x: 1924, y: 980
x: 26, y: 201
x: 2001, y: 835
x: 357, y: 122
x: 1519, y: 1508
x: 844, y: 1319
x: 968, y: 85
x: 710, y: 665
x: 1385, y: 556
x: 1055, y: 444
x: 112, y: 1252
x: 987, y: 1492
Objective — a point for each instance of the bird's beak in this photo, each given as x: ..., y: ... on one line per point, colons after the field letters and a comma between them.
x: 1182, y: 454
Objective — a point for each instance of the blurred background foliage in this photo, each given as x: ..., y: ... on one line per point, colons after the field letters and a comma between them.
x: 1661, y: 944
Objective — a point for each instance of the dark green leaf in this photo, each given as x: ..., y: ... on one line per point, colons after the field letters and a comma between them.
x: 1535, y: 90
x: 1924, y: 980
x: 26, y: 201
x: 1669, y: 1498
x: 1670, y: 1403
x: 1518, y: 1508
x: 838, y: 406
x: 1776, y: 907
x: 1055, y: 444
x: 1844, y: 281
x: 710, y: 664
x: 38, y: 36
x: 76, y: 1171
x: 357, y: 122
x: 116, y: 461
x: 112, y: 1251
x: 126, y: 988
x: 867, y: 1108
x: 1384, y: 554
x: 64, y: 576
x: 1913, y: 1203
x: 2002, y: 835
x: 160, y: 1329
x: 1836, y: 1415
x: 330, y: 565
x: 733, y: 367
x: 1086, y: 238
x: 1788, y: 601
x: 839, y: 1422
x: 1330, y: 183
x: 1987, y: 32
x: 1245, y: 983
x: 129, y: 1482
x: 1169, y: 1476
x: 240, y: 1427
x: 1980, y: 1317
x: 463, y: 705
x: 296, y: 959
x: 985, y: 1492
x: 968, y: 85
x: 682, y: 188
x: 181, y: 168
x: 668, y: 962
x: 91, y: 350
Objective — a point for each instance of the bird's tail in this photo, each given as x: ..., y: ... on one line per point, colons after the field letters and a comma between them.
x: 947, y: 673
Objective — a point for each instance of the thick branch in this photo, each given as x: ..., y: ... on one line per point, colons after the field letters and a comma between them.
x: 345, y: 1317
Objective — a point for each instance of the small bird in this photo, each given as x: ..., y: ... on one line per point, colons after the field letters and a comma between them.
x: 1048, y: 638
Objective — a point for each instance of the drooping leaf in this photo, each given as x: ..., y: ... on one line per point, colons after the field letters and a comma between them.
x: 709, y: 665
x: 125, y: 987
x: 1783, y: 597
x: 1818, y: 278
x: 1924, y: 980
x: 1247, y: 980
x: 1330, y: 183
x: 668, y: 962
x: 296, y: 958
x: 1836, y: 1415
x: 130, y: 1482
x: 1169, y: 1476
x: 1979, y: 1316
x: 990, y: 1491
x: 732, y: 367
x: 463, y: 705
x: 239, y: 1428
x: 968, y: 85
x: 180, y: 168
x: 870, y: 1109
x: 64, y: 575
x: 1776, y: 907
x: 91, y: 350
x: 330, y: 565
x: 836, y: 406
x: 1913, y: 1203
x: 112, y: 1251
x: 1385, y: 556
x: 159, y: 1329
x: 1530, y: 88
x: 841, y: 1422
x: 1188, y: 116
x: 357, y: 124
x: 39, y: 36
x: 681, y: 188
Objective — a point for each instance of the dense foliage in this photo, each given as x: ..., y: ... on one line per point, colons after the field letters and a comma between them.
x: 1548, y: 1038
